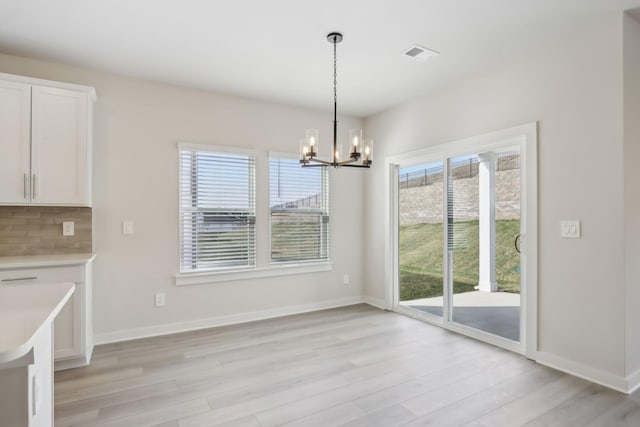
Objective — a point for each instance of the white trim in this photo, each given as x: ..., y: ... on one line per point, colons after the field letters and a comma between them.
x: 392, y: 294
x: 50, y: 83
x: 633, y: 382
x: 529, y: 256
x: 212, y: 322
x: 423, y: 316
x: 374, y: 302
x: 212, y: 148
x: 459, y: 147
x: 199, y: 278
x: 484, y: 336
x: 586, y: 372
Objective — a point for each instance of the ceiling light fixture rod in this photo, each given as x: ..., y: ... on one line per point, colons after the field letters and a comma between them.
x: 308, y: 145
x: 333, y: 37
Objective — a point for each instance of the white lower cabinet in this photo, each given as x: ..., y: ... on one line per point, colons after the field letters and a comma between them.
x: 73, y: 327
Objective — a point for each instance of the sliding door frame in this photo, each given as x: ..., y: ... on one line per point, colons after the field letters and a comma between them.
x: 525, y: 138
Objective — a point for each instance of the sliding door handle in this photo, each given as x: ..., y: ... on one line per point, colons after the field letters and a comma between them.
x: 33, y: 186
x: 24, y: 185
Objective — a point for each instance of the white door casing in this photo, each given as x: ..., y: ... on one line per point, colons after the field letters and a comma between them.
x: 525, y: 138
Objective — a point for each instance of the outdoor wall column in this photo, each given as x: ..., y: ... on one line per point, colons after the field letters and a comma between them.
x: 487, y: 226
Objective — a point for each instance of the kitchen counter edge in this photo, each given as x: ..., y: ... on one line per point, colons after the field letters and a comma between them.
x: 27, y: 261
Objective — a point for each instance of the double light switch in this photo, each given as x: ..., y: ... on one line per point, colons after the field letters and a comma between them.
x: 570, y: 229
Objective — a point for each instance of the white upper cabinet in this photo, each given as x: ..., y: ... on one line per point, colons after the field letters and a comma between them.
x: 58, y: 146
x: 45, y: 142
x: 15, y: 137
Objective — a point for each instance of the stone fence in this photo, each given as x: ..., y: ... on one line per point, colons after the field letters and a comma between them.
x: 423, y: 204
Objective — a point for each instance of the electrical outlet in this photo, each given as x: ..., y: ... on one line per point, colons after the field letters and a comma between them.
x: 160, y: 300
x: 127, y: 227
x: 345, y: 279
x: 68, y: 228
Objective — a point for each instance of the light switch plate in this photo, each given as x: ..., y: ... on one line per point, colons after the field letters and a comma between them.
x: 570, y: 229
x: 160, y: 300
x: 127, y: 227
x: 68, y: 228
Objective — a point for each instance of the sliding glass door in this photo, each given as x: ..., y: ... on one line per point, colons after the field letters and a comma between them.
x: 420, y: 232
x: 483, y: 216
x: 459, y: 227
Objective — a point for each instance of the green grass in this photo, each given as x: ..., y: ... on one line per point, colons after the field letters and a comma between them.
x: 421, y: 258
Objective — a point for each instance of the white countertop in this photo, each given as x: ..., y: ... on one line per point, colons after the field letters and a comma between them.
x: 8, y: 262
x: 24, y: 309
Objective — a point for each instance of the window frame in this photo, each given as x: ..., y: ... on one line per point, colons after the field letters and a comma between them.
x: 326, y: 185
x: 262, y: 268
x: 205, y: 148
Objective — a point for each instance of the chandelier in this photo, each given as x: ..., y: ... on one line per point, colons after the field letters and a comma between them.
x: 360, y: 151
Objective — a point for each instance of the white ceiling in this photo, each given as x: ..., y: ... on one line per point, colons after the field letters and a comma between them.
x: 277, y: 50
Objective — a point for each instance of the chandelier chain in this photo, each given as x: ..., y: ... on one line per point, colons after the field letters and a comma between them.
x: 335, y: 73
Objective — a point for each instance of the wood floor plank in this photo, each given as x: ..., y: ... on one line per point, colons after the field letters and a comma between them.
x: 250, y: 421
x: 535, y: 403
x: 480, y: 380
x: 472, y: 407
x: 625, y: 413
x: 390, y: 416
x: 230, y: 409
x: 432, y: 381
x: 351, y: 366
x: 579, y: 410
x: 77, y: 418
x: 333, y: 416
x: 158, y: 415
x: 64, y: 409
x: 304, y: 407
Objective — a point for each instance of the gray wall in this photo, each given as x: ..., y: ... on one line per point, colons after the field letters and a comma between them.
x: 631, y: 185
x: 137, y: 125
x: 578, y: 104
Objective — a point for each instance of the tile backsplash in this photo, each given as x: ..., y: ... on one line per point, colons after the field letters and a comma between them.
x: 37, y: 230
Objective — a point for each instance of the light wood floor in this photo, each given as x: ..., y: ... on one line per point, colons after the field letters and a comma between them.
x: 353, y: 366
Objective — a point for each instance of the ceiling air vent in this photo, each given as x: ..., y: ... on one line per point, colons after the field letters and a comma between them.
x: 420, y: 53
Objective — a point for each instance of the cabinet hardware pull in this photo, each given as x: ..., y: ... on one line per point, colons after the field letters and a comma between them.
x: 24, y: 185
x: 33, y: 184
x: 18, y: 279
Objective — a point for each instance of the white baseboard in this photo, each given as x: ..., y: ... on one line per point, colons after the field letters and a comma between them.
x: 78, y: 362
x: 192, y: 325
x: 376, y: 302
x: 633, y: 382
x: 586, y: 372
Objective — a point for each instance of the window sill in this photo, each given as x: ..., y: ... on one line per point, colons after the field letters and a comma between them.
x: 200, y: 278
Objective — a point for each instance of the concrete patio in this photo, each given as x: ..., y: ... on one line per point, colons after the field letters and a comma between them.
x: 495, y: 312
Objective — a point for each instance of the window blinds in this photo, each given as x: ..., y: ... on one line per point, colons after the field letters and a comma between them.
x: 299, y: 202
x: 217, y: 210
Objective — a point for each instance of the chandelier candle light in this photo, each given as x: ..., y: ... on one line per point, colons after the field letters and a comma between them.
x: 360, y: 152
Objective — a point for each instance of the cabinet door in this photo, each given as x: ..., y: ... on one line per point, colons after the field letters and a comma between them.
x: 15, y: 132
x: 59, y: 147
x: 67, y: 334
x: 68, y: 340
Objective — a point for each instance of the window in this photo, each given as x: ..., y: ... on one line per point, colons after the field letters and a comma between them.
x: 217, y: 210
x: 299, y: 202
